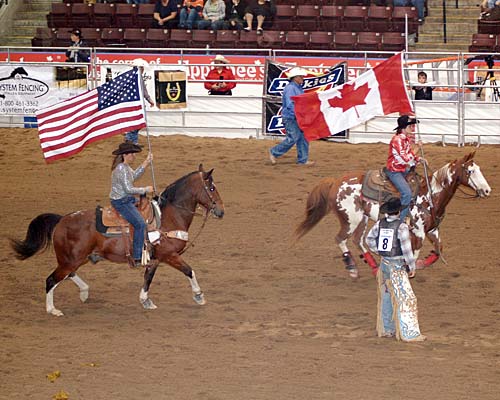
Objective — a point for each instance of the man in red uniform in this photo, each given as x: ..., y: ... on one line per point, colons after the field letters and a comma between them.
x: 401, y: 158
x: 220, y: 79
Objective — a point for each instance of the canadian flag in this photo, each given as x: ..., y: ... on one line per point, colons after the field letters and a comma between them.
x: 380, y: 91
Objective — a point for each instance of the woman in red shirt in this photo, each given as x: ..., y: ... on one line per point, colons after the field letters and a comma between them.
x: 401, y: 158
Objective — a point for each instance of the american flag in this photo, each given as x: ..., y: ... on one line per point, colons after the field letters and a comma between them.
x: 113, y: 108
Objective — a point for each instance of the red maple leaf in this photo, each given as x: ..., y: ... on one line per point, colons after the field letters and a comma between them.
x: 350, y: 97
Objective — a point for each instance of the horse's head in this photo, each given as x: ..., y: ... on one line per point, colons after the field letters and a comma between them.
x: 208, y: 196
x: 469, y: 174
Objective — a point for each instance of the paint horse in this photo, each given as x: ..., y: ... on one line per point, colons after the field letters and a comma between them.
x: 76, y: 240
x: 345, y: 199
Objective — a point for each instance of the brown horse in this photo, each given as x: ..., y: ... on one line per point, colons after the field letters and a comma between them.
x: 76, y: 240
x: 344, y: 198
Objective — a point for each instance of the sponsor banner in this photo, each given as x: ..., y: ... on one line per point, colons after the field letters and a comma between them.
x: 276, y: 80
x: 24, y: 89
x: 250, y: 68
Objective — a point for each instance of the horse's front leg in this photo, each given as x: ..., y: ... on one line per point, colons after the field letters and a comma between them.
x: 434, y: 255
x: 176, y: 261
x: 149, y: 274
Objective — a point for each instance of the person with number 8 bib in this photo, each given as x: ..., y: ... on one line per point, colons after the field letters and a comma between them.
x: 397, y: 314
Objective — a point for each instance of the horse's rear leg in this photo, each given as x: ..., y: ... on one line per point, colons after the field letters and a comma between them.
x: 347, y: 229
x: 82, y: 285
x: 53, y: 281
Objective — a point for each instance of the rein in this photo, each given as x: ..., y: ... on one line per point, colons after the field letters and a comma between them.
x: 206, y: 214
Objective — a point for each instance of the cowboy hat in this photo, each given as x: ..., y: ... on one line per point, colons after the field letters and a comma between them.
x: 127, y: 148
x: 221, y: 58
x: 391, y: 206
x: 296, y: 71
x: 404, y: 121
x: 76, y: 32
x: 139, y: 62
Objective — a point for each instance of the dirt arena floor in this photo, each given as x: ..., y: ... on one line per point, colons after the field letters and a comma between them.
x: 282, y: 321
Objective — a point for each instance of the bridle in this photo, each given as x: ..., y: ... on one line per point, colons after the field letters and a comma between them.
x: 470, y: 182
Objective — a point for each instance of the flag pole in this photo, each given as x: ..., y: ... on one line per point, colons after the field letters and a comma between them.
x: 141, y: 86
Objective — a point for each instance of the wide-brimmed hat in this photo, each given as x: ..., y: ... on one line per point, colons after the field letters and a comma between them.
x: 391, y: 206
x: 76, y: 32
x: 126, y: 148
x: 139, y: 62
x: 221, y: 58
x: 296, y: 71
x: 404, y: 121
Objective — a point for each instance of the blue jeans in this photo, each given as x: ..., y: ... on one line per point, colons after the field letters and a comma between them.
x: 132, y: 136
x: 398, y: 179
x: 294, y: 136
x: 188, y: 20
x: 215, y: 25
x: 126, y: 207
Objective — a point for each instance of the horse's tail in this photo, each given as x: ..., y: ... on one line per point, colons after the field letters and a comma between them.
x: 316, y: 208
x: 38, y: 237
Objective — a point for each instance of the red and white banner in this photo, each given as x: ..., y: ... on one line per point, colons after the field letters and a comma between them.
x: 377, y: 92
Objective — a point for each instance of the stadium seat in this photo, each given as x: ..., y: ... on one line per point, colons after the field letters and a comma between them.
x: 483, y: 42
x: 248, y: 40
x: 393, y: 41
x: 112, y: 37
x: 144, y: 18
x: 134, y: 37
x: 296, y: 40
x: 104, y: 15
x: 369, y: 41
x: 321, y: 40
x: 355, y: 18
x: 226, y: 39
x: 82, y: 15
x: 59, y: 15
x: 156, y: 38
x: 271, y: 39
x: 62, y: 38
x: 285, y: 17
x: 308, y: 18
x: 180, y: 38
x: 398, y: 19
x: 203, y: 38
x: 345, y: 41
x: 331, y: 17
x: 492, y: 27
x: 125, y: 15
x: 91, y: 36
x: 379, y: 18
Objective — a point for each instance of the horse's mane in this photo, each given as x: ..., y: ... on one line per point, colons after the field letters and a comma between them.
x: 440, y: 174
x: 171, y: 192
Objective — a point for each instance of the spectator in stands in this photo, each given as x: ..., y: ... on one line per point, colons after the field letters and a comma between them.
x: 74, y: 53
x: 294, y: 135
x: 216, y: 79
x: 165, y: 14
x: 263, y: 11
x: 138, y: 1
x: 235, y: 14
x: 490, y: 10
x: 418, y: 4
x: 423, y: 92
x: 213, y: 15
x: 133, y: 136
x: 190, y: 13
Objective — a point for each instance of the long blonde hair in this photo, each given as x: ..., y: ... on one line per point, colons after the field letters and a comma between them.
x: 117, y: 160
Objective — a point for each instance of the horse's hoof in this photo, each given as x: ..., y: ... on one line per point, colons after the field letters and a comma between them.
x: 84, y: 295
x: 354, y: 274
x: 56, y: 312
x: 200, y: 299
x: 420, y: 264
x: 148, y: 305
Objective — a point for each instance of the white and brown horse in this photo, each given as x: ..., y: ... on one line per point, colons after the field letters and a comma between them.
x: 344, y: 198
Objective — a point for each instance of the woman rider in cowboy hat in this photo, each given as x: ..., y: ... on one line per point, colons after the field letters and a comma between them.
x: 123, y: 191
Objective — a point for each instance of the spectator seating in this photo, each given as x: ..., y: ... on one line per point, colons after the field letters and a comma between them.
x: 125, y: 15
x: 145, y: 15
x: 92, y: 36
x: 345, y: 41
x: 492, y: 27
x: 202, y: 38
x: 296, y: 40
x: 226, y: 39
x: 112, y: 37
x: 104, y: 14
x: 285, y: 17
x: 355, y: 18
x: 398, y: 19
x: 81, y: 15
x: 321, y: 40
x: 62, y: 38
x: 379, y: 18
x: 331, y: 17
x: 59, y: 15
x: 249, y: 40
x: 157, y: 38
x: 369, y: 41
x: 180, y: 38
x: 393, y: 41
x: 483, y: 42
x: 44, y: 37
x: 307, y: 18
x: 134, y: 37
